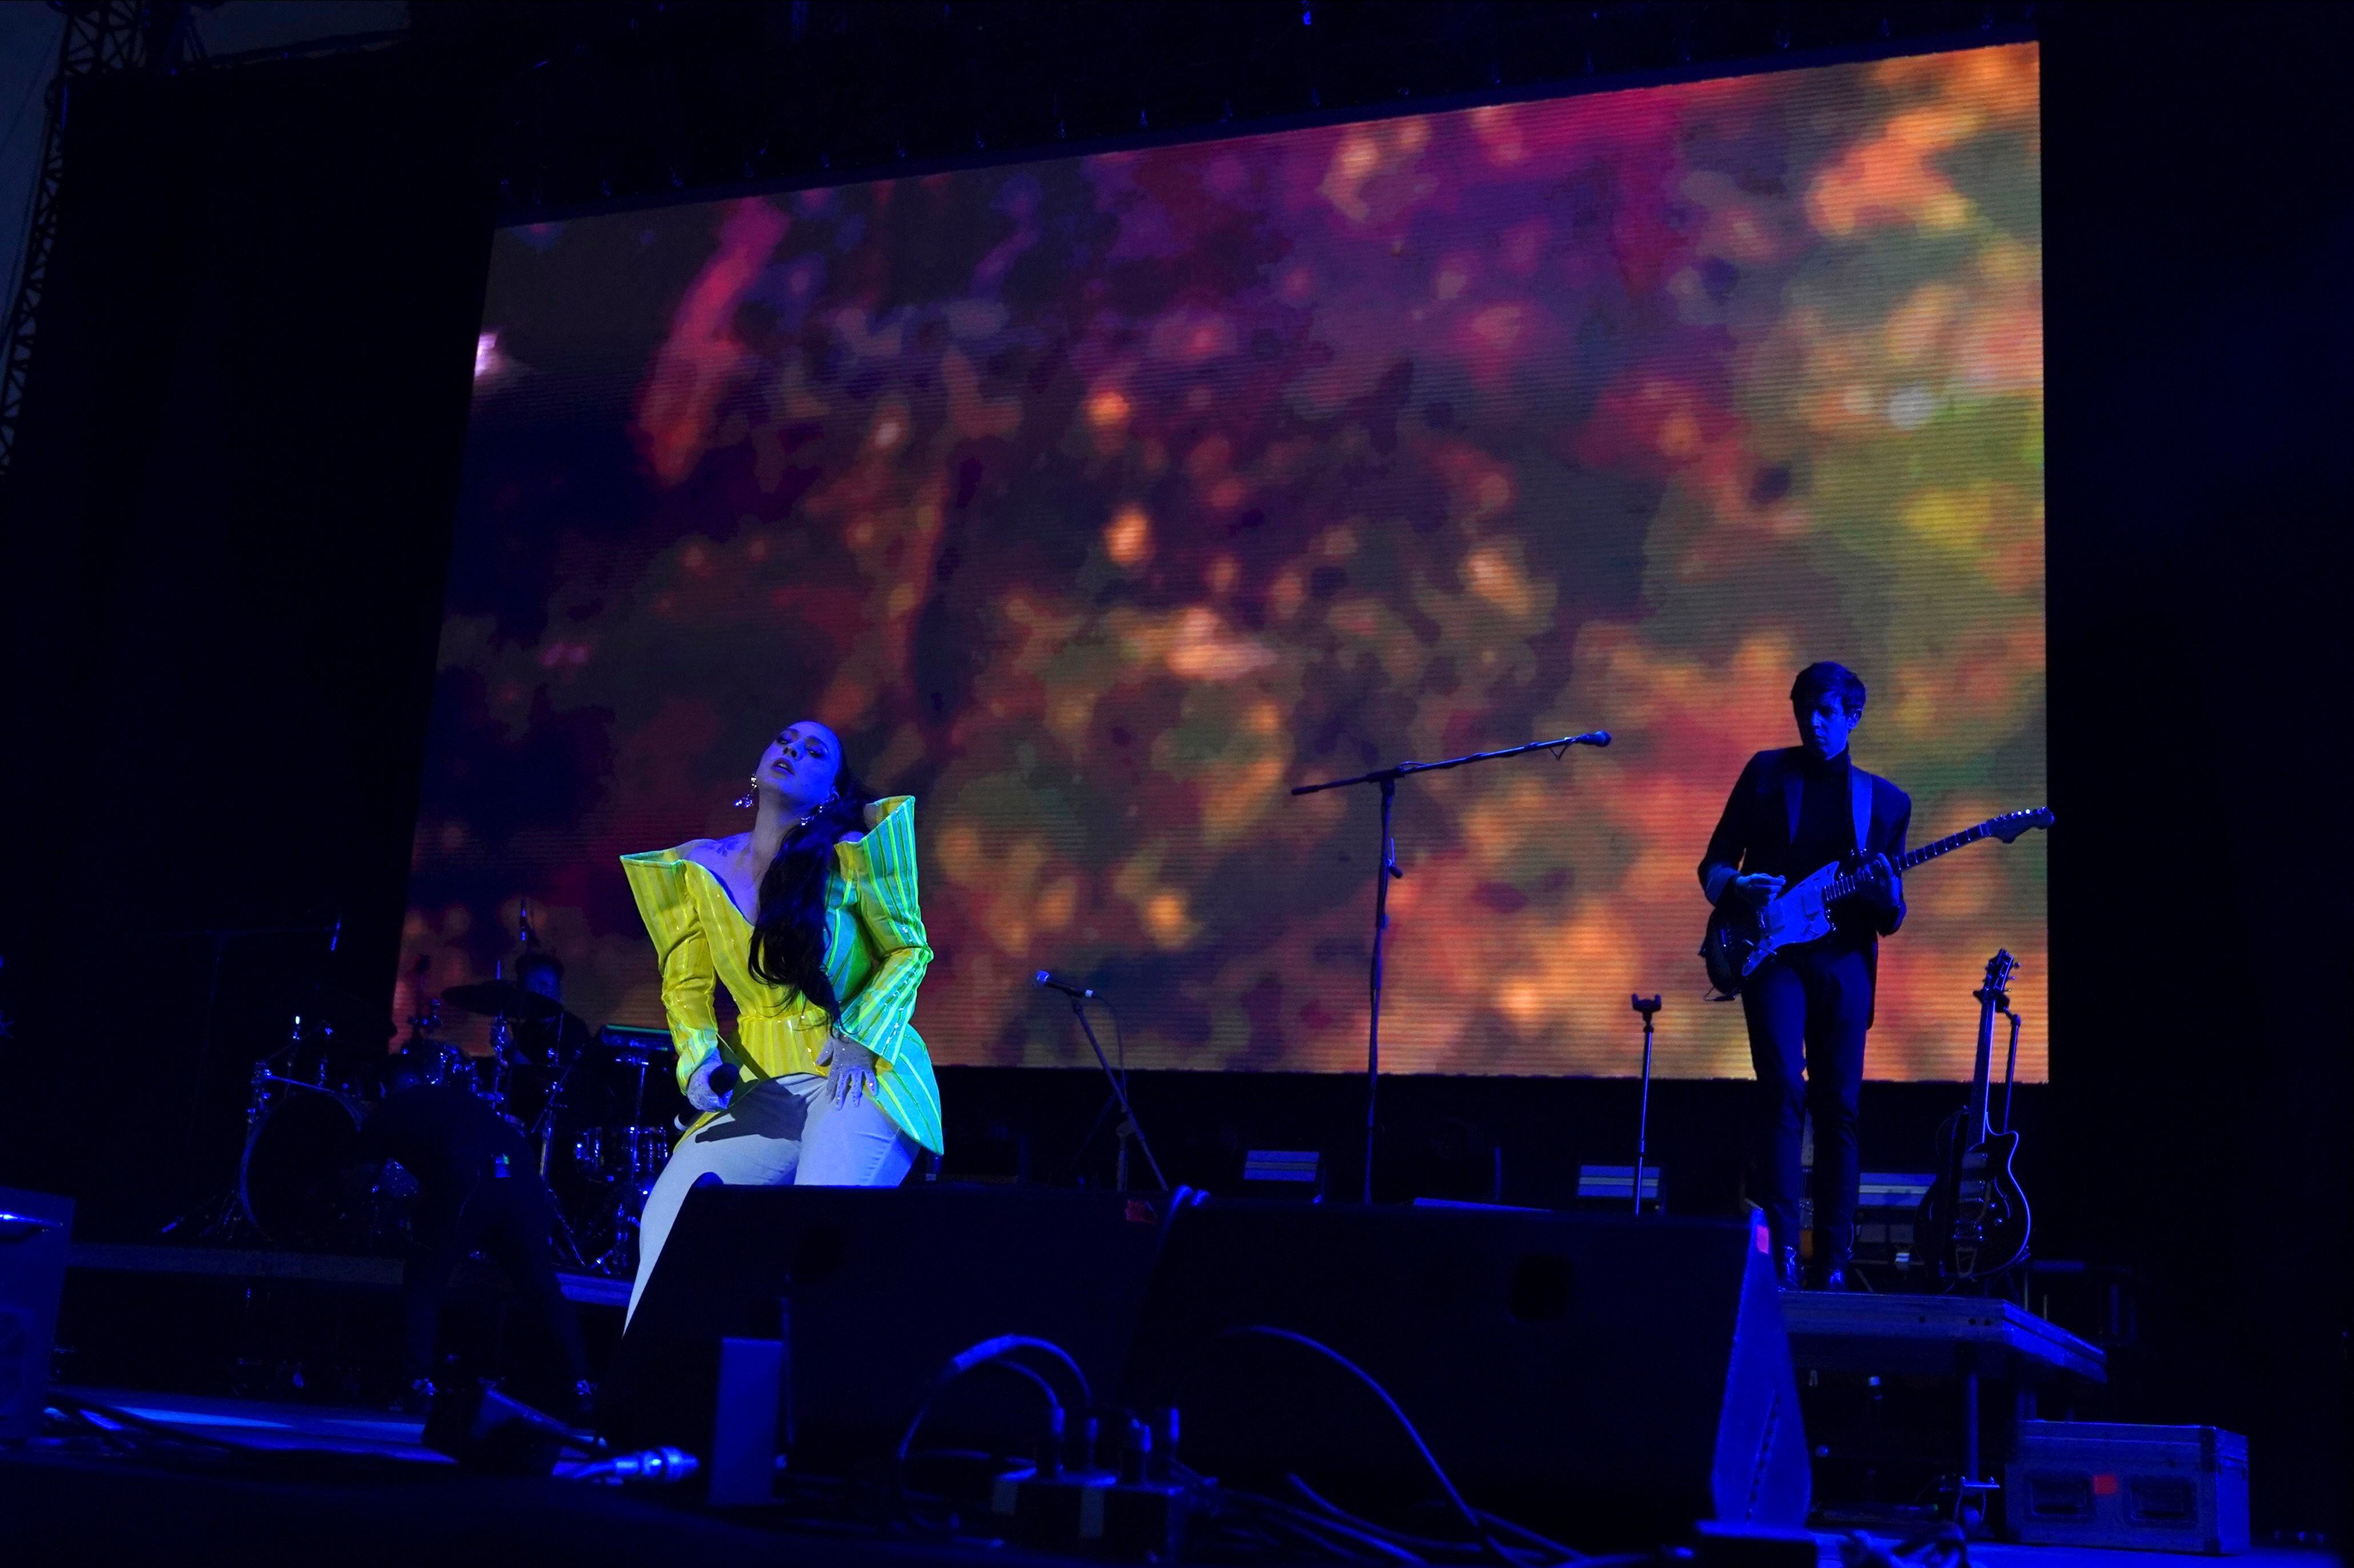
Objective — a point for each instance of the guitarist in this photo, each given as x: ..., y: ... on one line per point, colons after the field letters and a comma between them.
x: 1793, y: 812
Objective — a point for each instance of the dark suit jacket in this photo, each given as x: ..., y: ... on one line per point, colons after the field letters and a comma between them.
x: 1761, y: 818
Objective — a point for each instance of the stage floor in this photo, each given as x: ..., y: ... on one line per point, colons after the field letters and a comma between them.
x: 414, y: 1506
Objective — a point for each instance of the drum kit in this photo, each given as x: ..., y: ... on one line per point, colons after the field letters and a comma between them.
x: 581, y: 1101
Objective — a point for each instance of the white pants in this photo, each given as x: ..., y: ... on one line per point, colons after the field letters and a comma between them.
x: 779, y: 1132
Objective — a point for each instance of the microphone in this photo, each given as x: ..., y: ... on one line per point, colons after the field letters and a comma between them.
x: 1047, y: 979
x: 1591, y: 738
x: 725, y: 1077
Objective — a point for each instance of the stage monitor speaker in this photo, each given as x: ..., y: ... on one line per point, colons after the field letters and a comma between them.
x: 1609, y: 1379
x: 872, y: 1291
x: 36, y: 1233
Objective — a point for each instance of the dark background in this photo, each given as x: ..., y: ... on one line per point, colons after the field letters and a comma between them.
x: 225, y: 526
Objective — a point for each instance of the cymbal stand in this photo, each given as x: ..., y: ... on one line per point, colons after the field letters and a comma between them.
x: 620, y: 1259
x: 494, y: 1091
x: 226, y: 1220
x: 543, y: 1132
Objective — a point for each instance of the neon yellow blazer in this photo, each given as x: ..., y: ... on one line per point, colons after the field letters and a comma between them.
x: 876, y: 953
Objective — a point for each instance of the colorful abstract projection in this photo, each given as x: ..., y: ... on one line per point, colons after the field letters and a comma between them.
x: 1097, y: 502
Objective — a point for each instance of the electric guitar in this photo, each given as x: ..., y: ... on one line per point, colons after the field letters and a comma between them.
x: 1974, y: 1222
x: 1740, y: 939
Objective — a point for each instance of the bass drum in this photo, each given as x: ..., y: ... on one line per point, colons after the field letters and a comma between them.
x: 290, y: 1181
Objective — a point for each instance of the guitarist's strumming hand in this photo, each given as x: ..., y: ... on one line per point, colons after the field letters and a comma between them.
x: 1757, y: 890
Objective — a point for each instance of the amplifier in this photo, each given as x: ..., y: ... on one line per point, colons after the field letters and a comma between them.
x: 1887, y: 1207
x: 1612, y: 1187
x: 2099, y: 1483
x: 1284, y: 1173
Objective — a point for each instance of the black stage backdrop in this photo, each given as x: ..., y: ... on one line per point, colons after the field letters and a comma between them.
x: 224, y: 537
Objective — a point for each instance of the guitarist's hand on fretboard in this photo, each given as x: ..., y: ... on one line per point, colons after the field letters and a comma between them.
x: 1881, y: 888
x: 1756, y: 916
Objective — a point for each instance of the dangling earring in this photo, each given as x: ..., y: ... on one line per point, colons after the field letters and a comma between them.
x: 751, y: 795
x: 814, y: 815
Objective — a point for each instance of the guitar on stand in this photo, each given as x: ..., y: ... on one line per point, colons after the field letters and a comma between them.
x: 1975, y: 1221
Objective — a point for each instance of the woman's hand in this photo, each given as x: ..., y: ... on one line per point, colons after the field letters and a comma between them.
x: 699, y: 1092
x: 852, y: 1075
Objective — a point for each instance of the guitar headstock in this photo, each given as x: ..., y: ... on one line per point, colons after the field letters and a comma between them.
x: 1999, y: 970
x: 2010, y: 824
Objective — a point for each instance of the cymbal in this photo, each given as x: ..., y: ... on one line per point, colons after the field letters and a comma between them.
x: 495, y: 998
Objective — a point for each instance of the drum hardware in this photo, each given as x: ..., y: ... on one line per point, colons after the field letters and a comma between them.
x: 290, y: 1177
x: 631, y: 1156
x: 625, y: 1160
x: 306, y: 1102
x: 308, y: 1062
x: 316, y: 1057
x: 502, y: 999
x: 542, y: 1133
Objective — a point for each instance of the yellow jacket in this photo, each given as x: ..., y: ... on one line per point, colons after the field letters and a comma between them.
x: 876, y: 953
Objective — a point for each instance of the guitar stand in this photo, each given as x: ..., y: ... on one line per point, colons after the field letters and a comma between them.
x: 1964, y: 1501
x: 2011, y: 1065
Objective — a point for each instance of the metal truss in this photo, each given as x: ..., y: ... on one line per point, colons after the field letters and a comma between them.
x: 102, y: 38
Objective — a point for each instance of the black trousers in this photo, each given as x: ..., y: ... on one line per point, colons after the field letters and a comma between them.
x: 509, y: 1218
x: 1807, y: 1012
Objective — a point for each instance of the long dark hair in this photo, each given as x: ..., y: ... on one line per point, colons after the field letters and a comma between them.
x: 789, y: 938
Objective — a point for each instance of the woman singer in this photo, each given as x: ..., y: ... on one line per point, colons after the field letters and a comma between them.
x: 810, y: 920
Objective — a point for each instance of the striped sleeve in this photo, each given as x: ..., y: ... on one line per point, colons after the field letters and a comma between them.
x: 882, y: 866
x: 657, y: 882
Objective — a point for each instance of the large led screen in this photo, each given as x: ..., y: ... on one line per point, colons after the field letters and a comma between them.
x: 1097, y: 502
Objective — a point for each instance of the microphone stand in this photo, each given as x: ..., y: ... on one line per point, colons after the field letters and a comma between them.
x: 1128, y: 1125
x: 1387, y: 778
x: 1648, y: 1006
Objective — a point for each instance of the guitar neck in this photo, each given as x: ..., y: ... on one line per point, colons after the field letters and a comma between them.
x: 1982, y: 1074
x: 1926, y: 853
x: 1992, y: 999
x: 1946, y: 845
